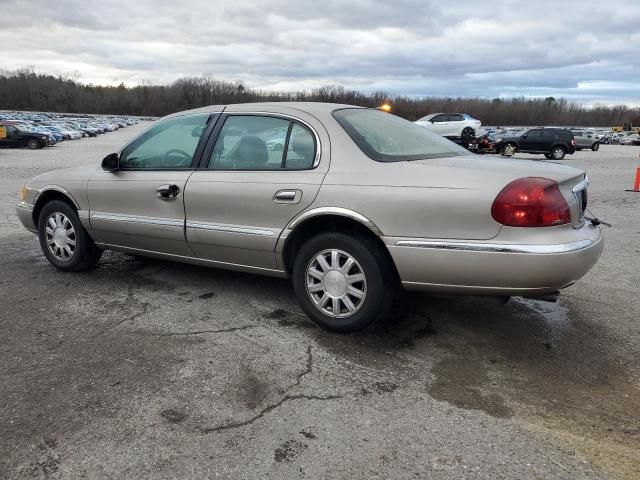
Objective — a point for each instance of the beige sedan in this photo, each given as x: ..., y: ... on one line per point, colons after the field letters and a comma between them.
x: 354, y: 203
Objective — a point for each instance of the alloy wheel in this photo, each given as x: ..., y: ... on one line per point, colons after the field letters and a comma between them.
x: 60, y: 236
x: 336, y: 283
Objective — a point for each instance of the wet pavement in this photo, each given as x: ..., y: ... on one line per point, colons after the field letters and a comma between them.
x: 150, y: 369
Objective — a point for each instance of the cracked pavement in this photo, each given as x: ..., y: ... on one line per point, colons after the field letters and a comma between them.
x: 150, y: 369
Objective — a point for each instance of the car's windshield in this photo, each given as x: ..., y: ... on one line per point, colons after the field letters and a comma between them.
x: 388, y: 138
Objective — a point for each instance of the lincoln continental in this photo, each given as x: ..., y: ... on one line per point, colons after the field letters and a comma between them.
x: 353, y: 204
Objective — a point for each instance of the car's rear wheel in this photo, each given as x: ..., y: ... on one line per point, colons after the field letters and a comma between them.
x: 33, y: 144
x: 595, y: 147
x: 344, y: 283
x: 509, y: 149
x: 558, y: 153
x: 467, y: 133
x: 63, y: 239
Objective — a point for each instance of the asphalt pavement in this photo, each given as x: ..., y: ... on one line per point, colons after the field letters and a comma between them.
x: 148, y: 369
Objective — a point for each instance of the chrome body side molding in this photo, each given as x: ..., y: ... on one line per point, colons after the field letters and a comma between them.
x: 231, y: 228
x: 117, y: 217
x: 539, y: 249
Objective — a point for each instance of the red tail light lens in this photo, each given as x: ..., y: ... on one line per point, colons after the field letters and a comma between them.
x: 531, y: 202
x: 573, y: 142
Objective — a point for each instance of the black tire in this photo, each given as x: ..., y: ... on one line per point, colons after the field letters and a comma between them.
x: 467, y: 133
x: 558, y: 152
x: 379, y: 275
x: 33, y: 144
x: 85, y: 254
x: 595, y: 147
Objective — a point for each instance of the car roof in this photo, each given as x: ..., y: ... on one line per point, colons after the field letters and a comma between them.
x: 309, y: 107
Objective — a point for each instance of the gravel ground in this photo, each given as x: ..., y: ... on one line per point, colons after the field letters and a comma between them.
x: 149, y: 369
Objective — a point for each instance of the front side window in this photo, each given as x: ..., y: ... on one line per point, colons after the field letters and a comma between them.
x: 258, y: 142
x: 387, y: 138
x: 169, y: 144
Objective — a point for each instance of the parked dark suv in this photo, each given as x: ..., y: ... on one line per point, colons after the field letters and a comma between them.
x: 554, y: 143
x: 15, y: 137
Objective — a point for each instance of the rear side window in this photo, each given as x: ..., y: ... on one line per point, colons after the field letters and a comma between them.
x: 387, y: 138
x: 261, y: 142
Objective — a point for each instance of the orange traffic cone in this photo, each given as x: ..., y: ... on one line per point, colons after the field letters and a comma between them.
x: 636, y: 183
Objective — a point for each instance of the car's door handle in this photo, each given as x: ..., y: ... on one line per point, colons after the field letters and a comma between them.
x: 287, y: 196
x: 168, y: 192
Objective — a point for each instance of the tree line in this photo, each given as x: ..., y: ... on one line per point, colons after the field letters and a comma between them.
x: 26, y: 89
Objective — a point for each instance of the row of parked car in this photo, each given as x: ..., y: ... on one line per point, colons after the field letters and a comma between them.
x: 38, y: 130
x: 552, y: 142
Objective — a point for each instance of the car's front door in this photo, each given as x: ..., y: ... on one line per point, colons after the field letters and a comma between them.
x: 248, y: 188
x: 440, y: 124
x: 530, y: 141
x: 141, y: 204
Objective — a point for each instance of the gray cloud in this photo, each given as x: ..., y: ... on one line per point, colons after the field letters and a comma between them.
x: 585, y: 50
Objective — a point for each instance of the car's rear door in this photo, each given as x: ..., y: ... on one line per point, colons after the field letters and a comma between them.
x: 247, y: 190
x: 141, y: 205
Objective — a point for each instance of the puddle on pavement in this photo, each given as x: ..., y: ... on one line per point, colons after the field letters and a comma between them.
x: 556, y: 373
x: 535, y: 362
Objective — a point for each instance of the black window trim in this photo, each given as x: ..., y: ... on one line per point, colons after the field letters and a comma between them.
x: 210, y: 124
x: 213, y: 138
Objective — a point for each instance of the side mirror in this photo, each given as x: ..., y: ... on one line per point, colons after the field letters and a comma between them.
x: 111, y: 162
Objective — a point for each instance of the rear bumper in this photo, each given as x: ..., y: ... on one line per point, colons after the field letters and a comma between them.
x: 493, y: 268
x: 24, y: 211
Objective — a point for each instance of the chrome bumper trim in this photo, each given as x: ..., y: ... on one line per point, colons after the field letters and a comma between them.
x: 501, y: 248
x: 25, y: 206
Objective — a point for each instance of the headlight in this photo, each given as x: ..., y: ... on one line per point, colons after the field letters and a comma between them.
x: 23, y: 193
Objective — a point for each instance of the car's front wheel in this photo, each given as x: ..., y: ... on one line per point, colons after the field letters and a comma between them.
x: 63, y: 239
x: 558, y: 153
x: 344, y: 283
x: 595, y: 147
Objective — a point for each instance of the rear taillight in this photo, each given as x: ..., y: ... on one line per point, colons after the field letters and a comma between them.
x: 573, y: 142
x: 531, y: 202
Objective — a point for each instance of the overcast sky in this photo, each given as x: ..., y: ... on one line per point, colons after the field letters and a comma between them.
x: 587, y: 50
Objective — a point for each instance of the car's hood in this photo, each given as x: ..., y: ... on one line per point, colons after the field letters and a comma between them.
x: 74, y: 174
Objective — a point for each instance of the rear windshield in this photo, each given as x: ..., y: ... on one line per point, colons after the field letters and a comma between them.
x: 388, y: 138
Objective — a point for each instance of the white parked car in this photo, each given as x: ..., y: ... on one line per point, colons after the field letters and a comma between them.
x: 450, y: 124
x: 631, y: 138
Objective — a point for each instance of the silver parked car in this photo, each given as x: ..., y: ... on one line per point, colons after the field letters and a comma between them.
x: 356, y: 203
x: 585, y: 139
